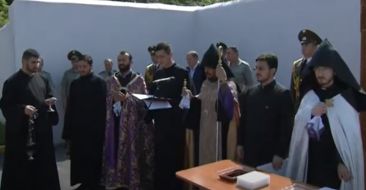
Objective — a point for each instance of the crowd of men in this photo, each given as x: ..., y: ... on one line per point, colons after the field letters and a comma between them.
x: 116, y: 141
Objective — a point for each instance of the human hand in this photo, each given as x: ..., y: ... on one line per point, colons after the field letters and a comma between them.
x: 29, y: 110
x: 319, y: 109
x: 50, y: 101
x: 343, y: 172
x: 186, y: 91
x: 277, y: 162
x: 240, y: 153
x: 119, y: 96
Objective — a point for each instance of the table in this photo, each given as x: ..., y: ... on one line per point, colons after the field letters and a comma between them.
x: 206, y: 177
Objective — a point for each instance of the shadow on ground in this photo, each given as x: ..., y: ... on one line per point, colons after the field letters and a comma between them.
x: 63, y: 166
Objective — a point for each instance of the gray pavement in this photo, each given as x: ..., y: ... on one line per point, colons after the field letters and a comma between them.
x: 63, y: 166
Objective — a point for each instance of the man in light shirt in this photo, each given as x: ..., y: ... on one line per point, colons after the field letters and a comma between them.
x: 109, y: 71
x: 243, y: 76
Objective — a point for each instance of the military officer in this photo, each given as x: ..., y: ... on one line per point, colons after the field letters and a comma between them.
x: 301, y: 77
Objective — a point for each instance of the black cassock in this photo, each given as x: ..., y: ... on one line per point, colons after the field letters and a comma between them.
x: 323, y: 155
x: 18, y: 172
x: 169, y: 129
x: 85, y: 121
x: 265, y: 123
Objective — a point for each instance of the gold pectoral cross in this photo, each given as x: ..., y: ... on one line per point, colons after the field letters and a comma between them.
x: 329, y: 102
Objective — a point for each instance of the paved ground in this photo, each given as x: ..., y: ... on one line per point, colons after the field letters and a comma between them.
x: 63, y: 166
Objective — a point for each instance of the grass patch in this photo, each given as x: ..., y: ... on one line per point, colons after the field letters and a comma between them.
x: 2, y: 133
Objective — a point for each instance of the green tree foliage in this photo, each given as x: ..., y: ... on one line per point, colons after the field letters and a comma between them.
x: 2, y: 133
x: 178, y: 2
x: 191, y: 2
x: 3, y: 12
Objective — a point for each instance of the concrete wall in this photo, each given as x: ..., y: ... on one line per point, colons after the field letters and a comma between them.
x: 7, y: 66
x: 103, y: 28
x: 102, y: 31
x: 99, y: 30
x: 259, y: 26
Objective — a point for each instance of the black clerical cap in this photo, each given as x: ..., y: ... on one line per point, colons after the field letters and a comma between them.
x: 327, y: 56
x: 74, y: 53
x: 307, y: 36
x: 211, y: 59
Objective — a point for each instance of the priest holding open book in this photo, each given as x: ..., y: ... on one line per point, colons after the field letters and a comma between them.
x: 169, y: 128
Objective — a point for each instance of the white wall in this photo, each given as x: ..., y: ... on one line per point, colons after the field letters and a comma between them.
x: 7, y: 66
x: 101, y: 31
x: 103, y: 28
x: 272, y: 26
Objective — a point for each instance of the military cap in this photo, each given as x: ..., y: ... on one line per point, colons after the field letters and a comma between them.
x: 74, y: 53
x: 307, y: 36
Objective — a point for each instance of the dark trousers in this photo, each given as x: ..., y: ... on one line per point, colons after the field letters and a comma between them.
x: 169, y: 158
x: 169, y: 149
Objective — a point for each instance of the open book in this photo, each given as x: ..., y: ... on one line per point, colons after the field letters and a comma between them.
x: 152, y: 102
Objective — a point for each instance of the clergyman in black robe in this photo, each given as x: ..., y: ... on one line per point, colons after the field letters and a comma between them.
x: 85, y: 119
x: 204, y: 112
x: 266, y: 117
x: 326, y: 145
x: 26, y: 93
x: 169, y: 127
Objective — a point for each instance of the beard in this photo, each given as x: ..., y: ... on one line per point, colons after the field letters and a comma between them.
x: 123, y: 68
x: 31, y: 69
x: 212, y: 78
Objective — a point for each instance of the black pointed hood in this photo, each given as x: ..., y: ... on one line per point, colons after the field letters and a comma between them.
x: 327, y: 56
x: 211, y: 59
